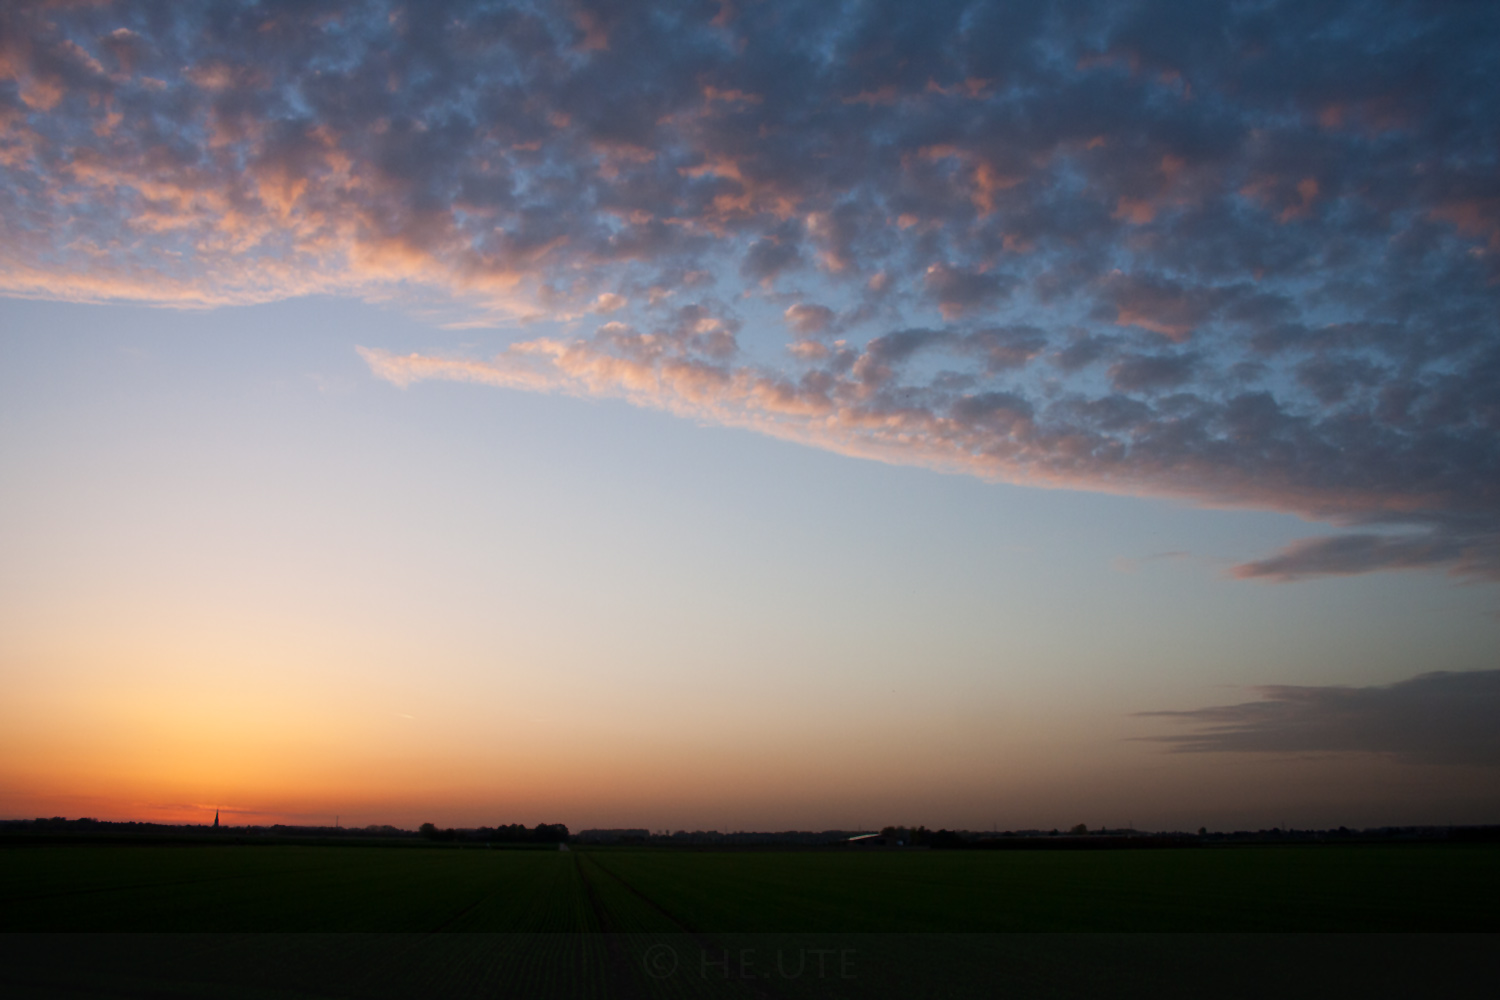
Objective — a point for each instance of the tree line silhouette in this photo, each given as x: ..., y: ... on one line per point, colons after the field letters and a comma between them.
x: 512, y: 833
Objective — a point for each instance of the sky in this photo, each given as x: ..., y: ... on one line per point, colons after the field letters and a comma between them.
x: 744, y: 416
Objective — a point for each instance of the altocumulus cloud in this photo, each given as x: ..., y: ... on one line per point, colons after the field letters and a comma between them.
x: 1436, y: 718
x: 1237, y: 254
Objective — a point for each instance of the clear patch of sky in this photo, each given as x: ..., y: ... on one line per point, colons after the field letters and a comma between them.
x: 228, y: 503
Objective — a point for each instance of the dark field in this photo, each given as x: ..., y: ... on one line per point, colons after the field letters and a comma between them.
x: 266, y: 920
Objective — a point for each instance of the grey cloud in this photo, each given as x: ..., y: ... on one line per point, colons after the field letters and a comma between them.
x: 1471, y: 552
x: 1001, y: 410
x: 902, y: 344
x: 1082, y: 351
x: 1435, y: 718
x: 767, y: 258
x: 1163, y: 306
x: 126, y: 48
x: 1149, y: 372
x: 958, y: 291
x: 1005, y: 348
x: 883, y: 355
x: 1109, y: 414
x: 1332, y: 379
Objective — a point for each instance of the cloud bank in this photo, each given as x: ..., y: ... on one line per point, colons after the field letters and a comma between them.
x: 1436, y: 718
x: 1238, y: 254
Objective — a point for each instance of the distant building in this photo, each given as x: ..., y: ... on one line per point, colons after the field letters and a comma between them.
x: 872, y: 840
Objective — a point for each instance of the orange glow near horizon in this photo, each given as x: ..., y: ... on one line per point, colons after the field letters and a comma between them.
x: 779, y: 418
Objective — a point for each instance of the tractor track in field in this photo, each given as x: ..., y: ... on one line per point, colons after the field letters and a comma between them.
x: 446, y: 925
x: 623, y: 973
x: 706, y: 944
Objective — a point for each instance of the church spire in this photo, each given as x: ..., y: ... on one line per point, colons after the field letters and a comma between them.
x: 216, y: 819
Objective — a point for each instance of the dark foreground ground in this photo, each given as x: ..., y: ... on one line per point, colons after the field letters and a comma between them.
x: 323, y: 921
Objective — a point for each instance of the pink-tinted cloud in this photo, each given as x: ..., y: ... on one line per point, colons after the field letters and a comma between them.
x: 1244, y: 256
x: 808, y: 317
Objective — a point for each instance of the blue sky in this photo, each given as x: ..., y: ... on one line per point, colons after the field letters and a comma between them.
x: 829, y: 420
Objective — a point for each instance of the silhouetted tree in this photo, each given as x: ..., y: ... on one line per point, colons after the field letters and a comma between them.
x: 944, y: 840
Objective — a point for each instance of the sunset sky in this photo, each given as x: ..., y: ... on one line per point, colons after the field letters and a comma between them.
x: 751, y: 415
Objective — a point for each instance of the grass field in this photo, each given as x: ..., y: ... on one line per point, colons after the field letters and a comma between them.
x: 619, y: 922
x: 321, y: 889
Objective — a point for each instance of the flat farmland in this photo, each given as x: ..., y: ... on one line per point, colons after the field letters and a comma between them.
x: 290, y: 889
x: 368, y: 889
x: 1299, y: 889
x: 386, y: 922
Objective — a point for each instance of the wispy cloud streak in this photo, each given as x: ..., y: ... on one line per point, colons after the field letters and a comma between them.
x: 1441, y: 718
x: 1241, y: 255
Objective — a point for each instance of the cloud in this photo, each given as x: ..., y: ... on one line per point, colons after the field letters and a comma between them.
x: 1148, y: 372
x: 1473, y: 552
x: 808, y: 318
x: 1255, y: 247
x: 1435, y: 718
x: 958, y: 291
